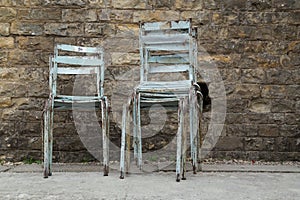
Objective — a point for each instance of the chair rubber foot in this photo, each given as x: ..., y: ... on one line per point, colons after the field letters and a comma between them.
x: 178, y: 178
x: 194, y: 169
x: 122, y: 175
x: 105, y: 170
x: 45, y: 173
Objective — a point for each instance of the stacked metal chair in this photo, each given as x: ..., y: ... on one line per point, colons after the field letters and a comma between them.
x: 165, y: 47
x: 73, y: 60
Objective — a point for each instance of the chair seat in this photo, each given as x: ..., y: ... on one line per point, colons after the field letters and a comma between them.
x: 77, y: 99
x: 164, y: 87
x: 76, y: 102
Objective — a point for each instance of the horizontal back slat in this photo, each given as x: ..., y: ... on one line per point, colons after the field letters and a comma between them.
x: 169, y: 59
x: 74, y: 70
x: 66, y: 47
x: 78, y: 60
x: 166, y: 38
x: 168, y: 69
x: 180, y: 24
x: 166, y: 25
x: 168, y: 47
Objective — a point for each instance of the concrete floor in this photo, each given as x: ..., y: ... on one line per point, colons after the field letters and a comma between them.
x: 226, y: 182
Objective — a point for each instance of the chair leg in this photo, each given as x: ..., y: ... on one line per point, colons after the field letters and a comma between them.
x: 104, y: 137
x: 123, y: 138
x: 199, y: 110
x: 127, y: 138
x: 50, y: 141
x: 135, y: 140
x: 107, y: 134
x: 46, y: 144
x: 139, y: 132
x: 193, y: 130
x: 184, y: 140
x: 179, y: 134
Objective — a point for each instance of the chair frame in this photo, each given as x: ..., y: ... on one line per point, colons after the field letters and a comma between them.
x: 90, y: 61
x: 151, y: 39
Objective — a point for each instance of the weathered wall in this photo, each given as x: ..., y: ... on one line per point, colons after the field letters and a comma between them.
x: 255, y: 44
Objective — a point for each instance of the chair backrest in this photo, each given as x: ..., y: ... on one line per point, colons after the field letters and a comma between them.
x: 168, y: 47
x: 75, y: 60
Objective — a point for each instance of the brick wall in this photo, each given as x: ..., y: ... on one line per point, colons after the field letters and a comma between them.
x: 255, y: 45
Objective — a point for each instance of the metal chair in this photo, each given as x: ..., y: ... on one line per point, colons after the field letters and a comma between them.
x: 165, y: 48
x: 75, y: 60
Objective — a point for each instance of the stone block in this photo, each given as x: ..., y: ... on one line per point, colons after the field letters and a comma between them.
x: 115, y: 15
x: 241, y: 130
x: 286, y: 144
x: 292, y: 118
x: 117, y: 44
x: 260, y: 106
x: 286, y: 4
x: 12, y: 114
x: 63, y: 129
x: 235, y: 118
x: 290, y: 130
x: 24, y: 58
x: 256, y: 118
x: 294, y: 18
x: 242, y: 32
x: 28, y: 129
x: 283, y: 105
x: 267, y: 130
x: 34, y: 115
x: 66, y: 143
x: 79, y: 15
x: 123, y: 4
x: 247, y: 91
x: 234, y: 5
x: 230, y: 18
x: 36, y: 2
x: 253, y: 143
x: 27, y: 28
x: 98, y: 30
x: 230, y: 143
x: 236, y: 105
x: 279, y: 76
x: 259, y: 5
x: 14, y: 2
x: 274, y: 91
x: 212, y: 4
x: 13, y: 89
x: 210, y: 32
x: 188, y: 4
x: 11, y: 74
x: 285, y: 32
x: 7, y: 42
x: 36, y: 89
x: 125, y: 58
x: 63, y: 29
x: 35, y: 43
x: 75, y: 156
x: 7, y: 14
x: 253, y: 75
x: 4, y: 29
x: 263, y: 33
x: 40, y: 14
x: 7, y: 129
x: 66, y: 3
x: 5, y: 102
x: 198, y: 17
x: 156, y: 15
x: 99, y: 3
